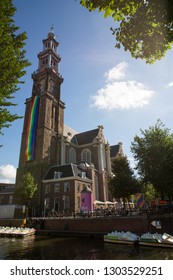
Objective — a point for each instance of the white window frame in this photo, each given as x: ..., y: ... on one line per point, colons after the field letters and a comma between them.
x: 67, y: 186
x: 86, y: 155
x: 56, y: 200
x: 66, y: 202
x: 57, y: 188
x: 47, y: 189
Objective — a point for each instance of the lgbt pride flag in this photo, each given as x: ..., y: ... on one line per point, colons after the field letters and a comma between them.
x: 32, y: 128
x: 140, y: 199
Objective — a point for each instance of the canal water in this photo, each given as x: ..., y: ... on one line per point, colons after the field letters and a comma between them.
x: 75, y: 248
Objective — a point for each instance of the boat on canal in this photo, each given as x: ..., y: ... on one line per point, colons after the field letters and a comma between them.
x: 156, y: 240
x: 148, y: 239
x: 121, y: 237
x: 16, y: 231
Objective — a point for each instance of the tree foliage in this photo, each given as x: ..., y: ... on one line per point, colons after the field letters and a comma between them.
x: 153, y: 152
x: 27, y: 190
x: 123, y: 183
x: 145, y: 26
x: 12, y: 61
x: 149, y: 192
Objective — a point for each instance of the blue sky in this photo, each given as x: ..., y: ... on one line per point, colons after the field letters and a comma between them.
x: 102, y: 85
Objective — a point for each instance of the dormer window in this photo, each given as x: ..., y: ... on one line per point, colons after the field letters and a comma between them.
x: 57, y: 175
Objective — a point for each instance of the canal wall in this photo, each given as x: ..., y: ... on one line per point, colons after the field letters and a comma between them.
x: 97, y: 226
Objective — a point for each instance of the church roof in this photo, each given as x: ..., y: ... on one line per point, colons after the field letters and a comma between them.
x: 69, y: 132
x: 85, y: 137
x: 115, y: 150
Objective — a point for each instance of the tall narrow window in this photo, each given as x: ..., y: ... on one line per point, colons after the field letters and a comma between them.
x: 66, y: 186
x: 47, y: 203
x: 66, y: 203
x: 72, y: 155
x: 56, y: 203
x: 86, y: 156
x: 47, y: 188
x: 57, y: 187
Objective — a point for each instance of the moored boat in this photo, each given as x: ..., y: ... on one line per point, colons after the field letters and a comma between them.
x: 147, y: 239
x: 121, y: 237
x: 156, y: 240
x: 16, y: 231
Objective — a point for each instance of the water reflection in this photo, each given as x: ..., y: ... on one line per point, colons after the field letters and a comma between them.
x: 16, y: 248
x: 48, y: 248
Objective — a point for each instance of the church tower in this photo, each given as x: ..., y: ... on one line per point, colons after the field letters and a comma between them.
x: 44, y: 115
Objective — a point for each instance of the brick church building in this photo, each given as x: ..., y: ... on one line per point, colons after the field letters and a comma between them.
x: 63, y: 162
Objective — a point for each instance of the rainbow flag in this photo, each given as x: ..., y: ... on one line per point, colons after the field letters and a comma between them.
x: 140, y: 200
x: 32, y: 128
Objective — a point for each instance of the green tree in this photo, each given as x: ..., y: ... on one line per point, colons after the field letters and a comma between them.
x: 123, y: 182
x: 153, y: 152
x: 27, y: 190
x: 145, y: 26
x: 12, y: 62
x: 149, y: 192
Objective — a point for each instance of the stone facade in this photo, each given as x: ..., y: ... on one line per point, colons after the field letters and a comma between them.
x: 57, y: 144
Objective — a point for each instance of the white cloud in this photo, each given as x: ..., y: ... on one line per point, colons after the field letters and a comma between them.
x: 7, y: 173
x: 121, y: 94
x: 170, y: 84
x: 117, y: 72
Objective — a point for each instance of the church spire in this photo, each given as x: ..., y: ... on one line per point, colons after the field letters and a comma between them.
x: 49, y: 57
x: 51, y: 32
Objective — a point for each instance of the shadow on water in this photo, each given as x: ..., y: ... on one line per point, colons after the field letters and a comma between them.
x: 83, y: 248
x: 128, y: 252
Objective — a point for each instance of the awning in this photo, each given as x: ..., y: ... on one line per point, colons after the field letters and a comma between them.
x: 105, y: 202
x: 98, y: 202
x: 110, y: 202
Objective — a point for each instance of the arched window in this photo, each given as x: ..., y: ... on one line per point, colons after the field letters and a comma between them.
x: 86, y: 156
x: 72, y: 155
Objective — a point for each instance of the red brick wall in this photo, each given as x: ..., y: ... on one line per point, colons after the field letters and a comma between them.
x: 133, y: 224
